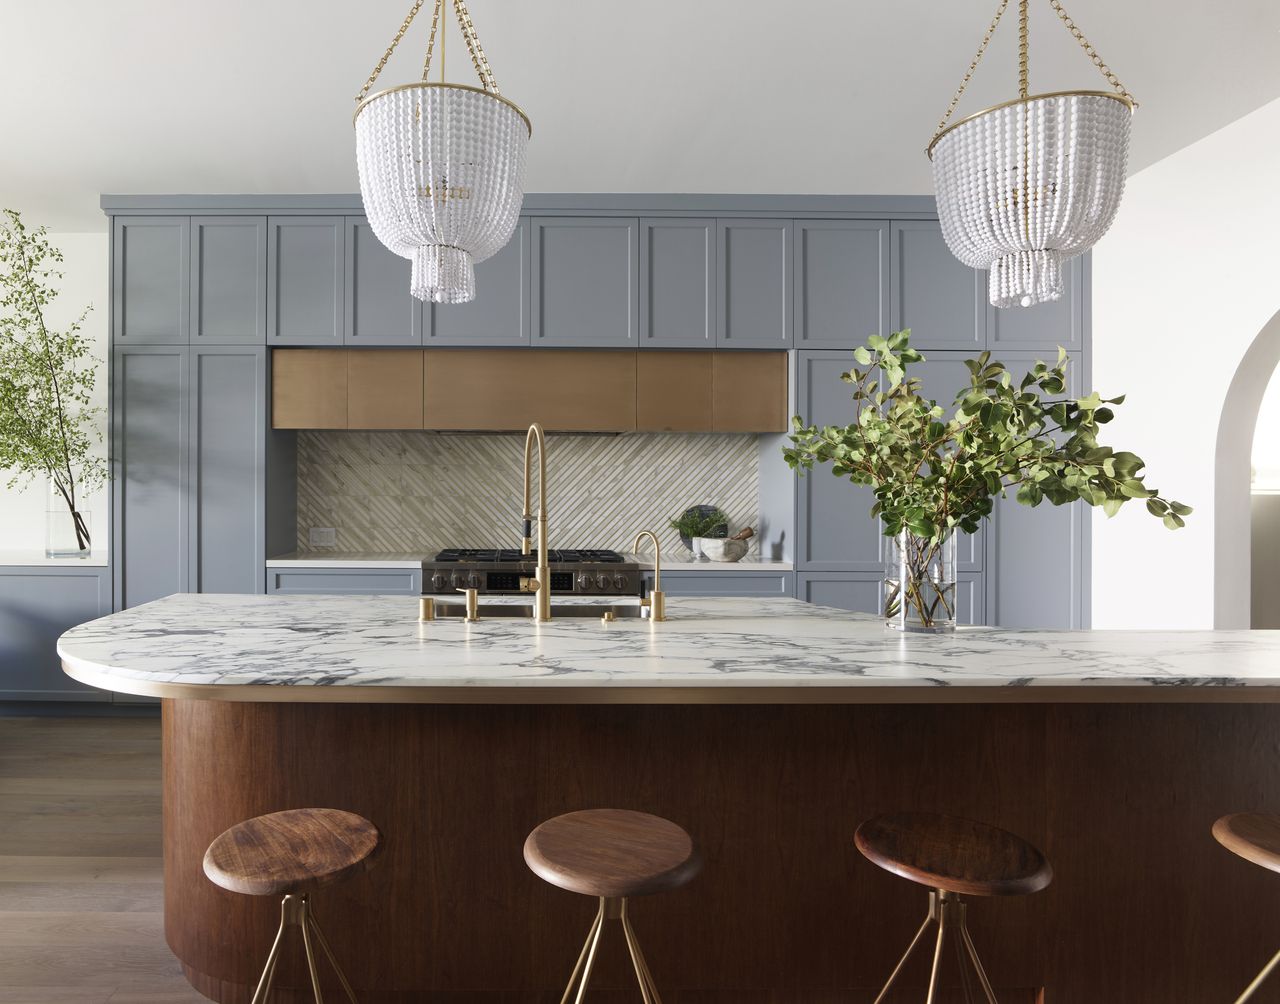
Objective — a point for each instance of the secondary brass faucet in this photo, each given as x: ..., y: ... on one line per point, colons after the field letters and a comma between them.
x: 655, y: 601
x: 542, y: 584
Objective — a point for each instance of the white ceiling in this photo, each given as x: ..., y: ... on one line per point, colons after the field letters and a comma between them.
x: 827, y: 96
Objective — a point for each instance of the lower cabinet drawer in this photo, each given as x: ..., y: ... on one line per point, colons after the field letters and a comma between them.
x: 861, y: 593
x: 727, y: 583
x: 354, y: 581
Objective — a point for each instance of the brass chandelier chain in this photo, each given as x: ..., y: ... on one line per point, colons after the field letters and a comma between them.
x: 478, y: 58
x: 1024, y: 76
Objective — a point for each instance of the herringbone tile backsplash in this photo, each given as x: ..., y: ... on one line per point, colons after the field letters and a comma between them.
x: 421, y: 491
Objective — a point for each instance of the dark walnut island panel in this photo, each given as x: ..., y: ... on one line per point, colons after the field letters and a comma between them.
x: 769, y: 729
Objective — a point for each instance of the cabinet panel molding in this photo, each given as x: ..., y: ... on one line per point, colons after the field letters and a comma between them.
x: 841, y: 282
x: 305, y: 280
x: 943, y: 302
x: 678, y: 282
x: 754, y: 283
x: 585, y: 278
x: 228, y: 280
x: 151, y: 280
x: 378, y: 307
x: 499, y: 315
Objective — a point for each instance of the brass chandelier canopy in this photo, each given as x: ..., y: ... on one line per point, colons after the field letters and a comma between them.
x: 1026, y: 185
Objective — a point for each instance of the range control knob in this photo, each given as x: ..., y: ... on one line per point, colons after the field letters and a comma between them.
x: 458, y: 581
x: 585, y: 581
x: 602, y: 580
x: 619, y: 580
x: 439, y: 582
x: 473, y: 580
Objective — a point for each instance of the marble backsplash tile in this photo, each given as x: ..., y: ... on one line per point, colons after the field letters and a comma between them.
x: 397, y: 491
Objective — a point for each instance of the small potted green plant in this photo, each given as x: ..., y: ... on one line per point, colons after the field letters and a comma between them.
x: 700, y: 521
x: 935, y: 473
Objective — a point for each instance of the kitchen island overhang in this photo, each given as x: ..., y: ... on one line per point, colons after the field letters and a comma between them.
x: 769, y: 729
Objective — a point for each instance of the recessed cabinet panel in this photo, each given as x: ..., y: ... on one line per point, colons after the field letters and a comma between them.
x: 380, y: 310
x: 841, y: 282
x: 585, y: 278
x: 749, y: 392
x: 309, y: 389
x: 228, y: 468
x: 835, y: 529
x: 151, y: 281
x: 1046, y: 325
x: 673, y: 391
x: 151, y: 390
x: 384, y: 389
x: 753, y: 262
x: 228, y: 280
x: 499, y: 315
x: 500, y: 389
x: 678, y: 282
x: 859, y: 593
x: 305, y: 280
x: 942, y: 301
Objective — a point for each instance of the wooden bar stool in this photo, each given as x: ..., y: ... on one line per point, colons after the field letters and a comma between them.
x: 1254, y: 836
x: 290, y: 854
x: 954, y: 857
x: 612, y: 854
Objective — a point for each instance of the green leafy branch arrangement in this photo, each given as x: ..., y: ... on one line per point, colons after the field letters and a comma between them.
x: 933, y: 474
x: 47, y: 424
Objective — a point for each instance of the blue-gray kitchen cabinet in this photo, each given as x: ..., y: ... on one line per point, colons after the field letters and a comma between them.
x: 378, y: 307
x: 228, y: 423
x: 151, y: 415
x: 714, y: 581
x: 754, y: 283
x: 37, y: 604
x: 499, y: 315
x: 1046, y: 325
x: 150, y: 280
x: 943, y: 302
x: 585, y: 281
x: 861, y: 592
x: 841, y: 282
x: 306, y: 265
x: 834, y: 530
x: 1037, y: 557
x: 678, y: 283
x: 228, y: 280
x: 348, y: 581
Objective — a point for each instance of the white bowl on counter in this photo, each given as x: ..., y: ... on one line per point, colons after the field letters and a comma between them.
x: 721, y: 548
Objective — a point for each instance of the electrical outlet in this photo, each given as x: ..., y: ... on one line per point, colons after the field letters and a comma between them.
x: 322, y: 536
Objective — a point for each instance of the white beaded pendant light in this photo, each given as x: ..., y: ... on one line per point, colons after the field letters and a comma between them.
x: 441, y: 167
x: 1029, y: 184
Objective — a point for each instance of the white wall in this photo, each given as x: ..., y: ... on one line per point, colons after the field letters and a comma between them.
x: 22, y: 512
x: 1183, y: 285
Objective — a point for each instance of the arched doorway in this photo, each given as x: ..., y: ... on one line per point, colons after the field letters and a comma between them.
x: 1232, y: 534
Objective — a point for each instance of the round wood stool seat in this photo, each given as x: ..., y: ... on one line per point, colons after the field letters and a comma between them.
x: 953, y: 854
x: 1254, y: 836
x: 290, y: 852
x: 612, y: 853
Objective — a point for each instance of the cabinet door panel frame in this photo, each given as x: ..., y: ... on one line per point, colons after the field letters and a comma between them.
x: 694, y: 338
x: 852, y: 338
x: 408, y: 331
x: 327, y: 332
x: 179, y: 333
x: 726, y: 338
x: 540, y: 335
x: 257, y: 334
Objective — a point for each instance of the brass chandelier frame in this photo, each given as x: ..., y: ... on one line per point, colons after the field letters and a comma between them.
x: 1118, y: 92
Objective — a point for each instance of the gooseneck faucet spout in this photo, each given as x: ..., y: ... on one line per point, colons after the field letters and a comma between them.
x: 542, y: 584
x: 656, y: 601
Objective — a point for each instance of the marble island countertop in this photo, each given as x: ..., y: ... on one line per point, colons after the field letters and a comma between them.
x: 718, y: 650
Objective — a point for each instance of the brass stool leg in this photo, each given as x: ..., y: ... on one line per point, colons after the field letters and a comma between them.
x: 947, y: 910
x: 295, y: 911
x: 586, y: 960
x: 977, y: 963
x: 1259, y: 979
x: 943, y: 913
x: 648, y: 990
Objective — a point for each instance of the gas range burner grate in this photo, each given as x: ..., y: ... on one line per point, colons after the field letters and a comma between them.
x: 503, y: 555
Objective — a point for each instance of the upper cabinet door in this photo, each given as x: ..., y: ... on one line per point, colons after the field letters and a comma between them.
x: 585, y: 275
x: 380, y: 310
x: 943, y: 302
x: 305, y: 280
x: 1046, y: 325
x: 754, y: 283
x: 841, y: 282
x: 677, y: 283
x: 229, y: 280
x: 499, y: 315
x: 151, y: 280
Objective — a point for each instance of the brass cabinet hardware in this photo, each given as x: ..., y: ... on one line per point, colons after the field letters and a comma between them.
x: 655, y: 601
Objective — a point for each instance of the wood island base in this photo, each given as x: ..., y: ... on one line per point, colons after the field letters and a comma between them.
x: 1145, y: 908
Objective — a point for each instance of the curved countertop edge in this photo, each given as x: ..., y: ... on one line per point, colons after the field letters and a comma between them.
x: 924, y: 692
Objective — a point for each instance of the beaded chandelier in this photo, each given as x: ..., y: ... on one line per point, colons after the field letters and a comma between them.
x: 1029, y: 184
x: 441, y: 167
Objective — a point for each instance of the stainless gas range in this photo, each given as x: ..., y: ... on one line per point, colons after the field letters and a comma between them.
x: 579, y: 572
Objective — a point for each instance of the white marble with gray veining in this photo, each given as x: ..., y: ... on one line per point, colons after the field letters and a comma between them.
x: 376, y: 641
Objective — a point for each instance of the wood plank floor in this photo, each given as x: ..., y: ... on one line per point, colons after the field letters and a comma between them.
x: 80, y: 872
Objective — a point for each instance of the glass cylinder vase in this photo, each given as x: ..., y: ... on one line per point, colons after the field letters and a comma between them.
x: 920, y: 582
x: 67, y: 534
